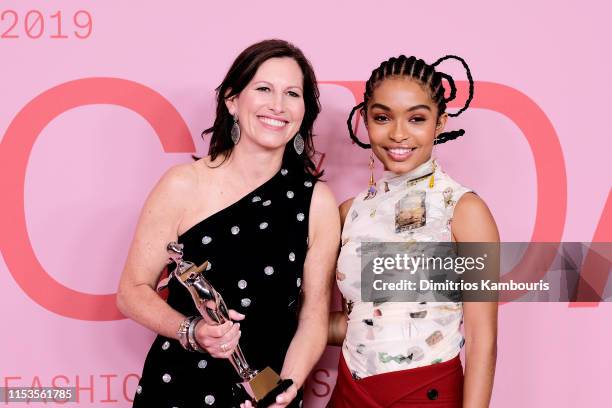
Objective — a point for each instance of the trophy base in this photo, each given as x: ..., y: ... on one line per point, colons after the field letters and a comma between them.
x: 265, y: 387
x: 270, y: 398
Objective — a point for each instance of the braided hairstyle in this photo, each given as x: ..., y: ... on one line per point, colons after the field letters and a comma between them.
x: 426, y: 75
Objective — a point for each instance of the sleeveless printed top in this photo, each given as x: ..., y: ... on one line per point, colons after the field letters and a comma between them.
x: 391, y: 336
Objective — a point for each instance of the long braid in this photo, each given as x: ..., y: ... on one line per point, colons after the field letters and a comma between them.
x: 425, y: 74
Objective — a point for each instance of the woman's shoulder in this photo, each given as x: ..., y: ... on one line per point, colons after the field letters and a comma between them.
x: 473, y: 221
x: 180, y: 178
x: 323, y: 197
x: 344, y: 208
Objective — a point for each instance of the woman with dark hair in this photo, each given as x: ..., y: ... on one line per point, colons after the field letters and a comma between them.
x: 255, y: 210
x: 406, y: 354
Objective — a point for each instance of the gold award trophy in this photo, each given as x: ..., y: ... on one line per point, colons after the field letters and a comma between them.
x: 261, y: 385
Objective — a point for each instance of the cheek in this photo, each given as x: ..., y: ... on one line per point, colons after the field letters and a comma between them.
x: 297, y: 110
x: 376, y: 133
x: 424, y: 134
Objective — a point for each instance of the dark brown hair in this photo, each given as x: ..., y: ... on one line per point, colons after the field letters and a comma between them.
x: 241, y: 72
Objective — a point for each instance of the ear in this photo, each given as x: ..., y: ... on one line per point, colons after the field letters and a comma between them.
x: 231, y: 102
x: 441, y: 123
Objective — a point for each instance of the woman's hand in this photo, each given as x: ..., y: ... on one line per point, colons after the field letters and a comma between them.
x: 219, y: 341
x: 282, y: 400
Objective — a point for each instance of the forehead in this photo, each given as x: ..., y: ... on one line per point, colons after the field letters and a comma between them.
x: 280, y: 71
x: 400, y: 92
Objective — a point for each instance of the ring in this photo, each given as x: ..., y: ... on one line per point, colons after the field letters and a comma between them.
x: 224, y: 347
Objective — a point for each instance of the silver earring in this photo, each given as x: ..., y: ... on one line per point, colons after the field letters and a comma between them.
x: 235, y: 133
x: 298, y: 144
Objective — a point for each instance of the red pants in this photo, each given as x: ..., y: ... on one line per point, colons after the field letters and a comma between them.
x: 436, y: 386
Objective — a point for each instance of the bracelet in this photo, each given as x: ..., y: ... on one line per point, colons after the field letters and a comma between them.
x: 183, y: 331
x: 193, y: 343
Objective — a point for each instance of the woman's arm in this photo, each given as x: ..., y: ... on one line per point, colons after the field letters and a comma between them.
x: 311, y: 336
x: 157, y: 226
x: 473, y: 222
x: 338, y: 319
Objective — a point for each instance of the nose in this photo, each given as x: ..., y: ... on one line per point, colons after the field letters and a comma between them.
x: 277, y: 102
x: 398, y: 133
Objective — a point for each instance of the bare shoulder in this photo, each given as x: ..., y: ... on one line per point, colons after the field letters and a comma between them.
x: 322, y: 198
x: 473, y: 221
x: 180, y: 178
x: 344, y: 208
x: 325, y: 222
x: 164, y: 203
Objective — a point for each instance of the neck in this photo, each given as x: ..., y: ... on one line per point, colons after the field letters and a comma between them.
x: 254, y: 164
x: 422, y: 170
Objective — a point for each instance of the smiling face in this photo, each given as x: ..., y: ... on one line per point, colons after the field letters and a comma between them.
x: 270, y: 108
x: 402, y: 124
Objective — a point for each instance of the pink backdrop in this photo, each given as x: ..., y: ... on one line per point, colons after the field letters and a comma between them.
x: 78, y: 159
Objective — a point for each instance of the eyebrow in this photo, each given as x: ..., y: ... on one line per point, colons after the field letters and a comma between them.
x: 413, y: 108
x: 268, y: 83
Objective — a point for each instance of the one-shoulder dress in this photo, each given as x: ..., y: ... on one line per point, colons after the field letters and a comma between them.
x: 256, y: 249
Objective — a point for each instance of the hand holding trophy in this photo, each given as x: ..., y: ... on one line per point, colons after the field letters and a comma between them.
x: 262, y: 386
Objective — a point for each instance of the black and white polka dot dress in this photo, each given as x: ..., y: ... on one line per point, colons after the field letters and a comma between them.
x: 256, y: 249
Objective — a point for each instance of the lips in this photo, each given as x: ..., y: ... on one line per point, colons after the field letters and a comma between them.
x: 272, y: 123
x: 399, y: 153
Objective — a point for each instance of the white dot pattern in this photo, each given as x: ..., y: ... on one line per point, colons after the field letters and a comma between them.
x: 289, y: 199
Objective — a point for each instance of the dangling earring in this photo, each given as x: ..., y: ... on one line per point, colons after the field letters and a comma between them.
x: 235, y: 133
x: 371, y: 184
x: 433, y: 162
x: 432, y: 179
x: 298, y: 144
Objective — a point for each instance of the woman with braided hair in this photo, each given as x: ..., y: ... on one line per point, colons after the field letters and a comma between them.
x: 406, y: 354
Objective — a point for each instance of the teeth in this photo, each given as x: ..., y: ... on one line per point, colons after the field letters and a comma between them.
x: 400, y: 150
x: 272, y: 122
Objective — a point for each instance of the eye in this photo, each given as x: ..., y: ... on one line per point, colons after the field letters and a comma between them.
x: 293, y: 94
x: 381, y: 118
x: 417, y: 119
x: 262, y: 89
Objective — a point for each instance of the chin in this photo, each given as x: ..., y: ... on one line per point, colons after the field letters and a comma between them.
x: 399, y: 167
x: 272, y: 143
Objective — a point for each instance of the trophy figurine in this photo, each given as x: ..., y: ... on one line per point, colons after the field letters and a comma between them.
x: 261, y: 385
